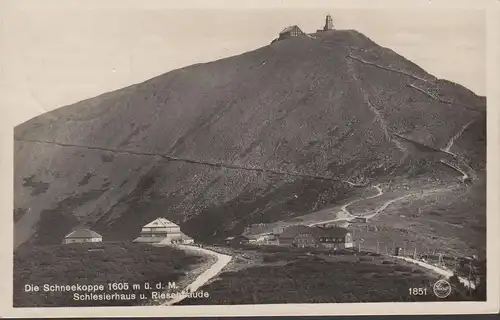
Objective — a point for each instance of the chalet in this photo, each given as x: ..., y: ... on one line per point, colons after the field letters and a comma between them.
x: 82, y: 235
x: 305, y: 236
x: 292, y: 31
x: 298, y: 236
x: 163, y: 231
x: 334, y: 237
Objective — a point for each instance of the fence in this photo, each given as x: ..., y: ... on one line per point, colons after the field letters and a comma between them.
x: 464, y: 267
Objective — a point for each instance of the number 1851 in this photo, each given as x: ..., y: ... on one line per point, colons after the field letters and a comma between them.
x: 417, y: 291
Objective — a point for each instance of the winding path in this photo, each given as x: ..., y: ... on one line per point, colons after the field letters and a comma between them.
x: 202, y: 279
x: 455, y: 137
x: 388, y: 203
x: 443, y: 272
x: 348, y: 216
x: 447, y: 149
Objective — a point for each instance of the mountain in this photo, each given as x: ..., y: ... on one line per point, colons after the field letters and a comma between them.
x: 288, y: 129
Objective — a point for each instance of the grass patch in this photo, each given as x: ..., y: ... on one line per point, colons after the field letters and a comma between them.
x: 94, y: 264
x: 313, y: 280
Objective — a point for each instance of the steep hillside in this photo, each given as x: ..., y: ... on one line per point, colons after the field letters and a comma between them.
x: 281, y: 131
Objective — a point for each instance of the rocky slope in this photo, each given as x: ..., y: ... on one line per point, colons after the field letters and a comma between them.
x: 281, y: 131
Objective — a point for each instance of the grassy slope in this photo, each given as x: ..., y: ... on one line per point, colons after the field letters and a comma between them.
x: 75, y: 264
x: 320, y: 279
x: 297, y: 105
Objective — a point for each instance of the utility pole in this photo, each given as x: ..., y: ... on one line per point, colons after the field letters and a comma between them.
x: 404, y: 248
x: 359, y: 246
x: 386, y: 251
x: 378, y: 249
x: 415, y: 253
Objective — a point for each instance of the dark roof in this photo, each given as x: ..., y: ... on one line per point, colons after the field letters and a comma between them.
x: 83, y: 233
x: 290, y: 29
x: 293, y: 231
x: 331, y: 231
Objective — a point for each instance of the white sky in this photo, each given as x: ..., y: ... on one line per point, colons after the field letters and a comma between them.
x: 57, y: 52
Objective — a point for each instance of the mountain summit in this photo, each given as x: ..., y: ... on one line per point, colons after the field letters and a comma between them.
x: 288, y: 129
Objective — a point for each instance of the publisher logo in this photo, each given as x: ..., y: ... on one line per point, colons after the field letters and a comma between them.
x: 442, y: 289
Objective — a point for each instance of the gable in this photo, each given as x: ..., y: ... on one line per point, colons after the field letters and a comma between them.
x: 161, y: 223
x: 83, y: 234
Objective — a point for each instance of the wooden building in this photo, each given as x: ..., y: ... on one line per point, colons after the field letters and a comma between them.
x: 82, y: 235
x: 305, y: 236
x: 292, y: 31
x: 298, y: 236
x: 334, y: 237
x: 163, y: 231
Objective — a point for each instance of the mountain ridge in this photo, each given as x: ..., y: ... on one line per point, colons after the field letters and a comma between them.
x: 297, y: 105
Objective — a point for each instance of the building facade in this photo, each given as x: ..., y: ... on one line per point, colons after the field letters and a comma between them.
x: 298, y: 235
x: 82, y: 235
x: 335, y: 237
x: 306, y: 239
x: 305, y: 236
x: 163, y: 231
x: 292, y: 31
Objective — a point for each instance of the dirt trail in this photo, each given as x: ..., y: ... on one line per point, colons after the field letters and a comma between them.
x: 344, y: 214
x: 441, y: 271
x: 470, y: 174
x: 378, y: 115
x: 202, y: 279
x: 455, y: 137
x: 192, y: 161
x: 388, y: 203
x: 421, y: 193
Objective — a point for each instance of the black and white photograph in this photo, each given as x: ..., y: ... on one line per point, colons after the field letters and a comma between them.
x: 176, y: 154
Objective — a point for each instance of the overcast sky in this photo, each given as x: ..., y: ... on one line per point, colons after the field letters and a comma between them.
x: 57, y: 52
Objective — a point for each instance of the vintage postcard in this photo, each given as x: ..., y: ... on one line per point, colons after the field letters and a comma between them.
x: 225, y: 158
